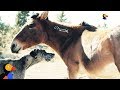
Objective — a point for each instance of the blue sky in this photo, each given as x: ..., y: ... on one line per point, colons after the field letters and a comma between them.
x: 75, y: 17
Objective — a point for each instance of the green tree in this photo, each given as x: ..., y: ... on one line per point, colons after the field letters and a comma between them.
x: 4, y: 27
x: 22, y: 18
x: 62, y: 17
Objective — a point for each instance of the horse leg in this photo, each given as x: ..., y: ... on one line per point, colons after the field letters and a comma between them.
x: 116, y: 52
x: 117, y: 62
x: 73, y: 69
x: 117, y: 59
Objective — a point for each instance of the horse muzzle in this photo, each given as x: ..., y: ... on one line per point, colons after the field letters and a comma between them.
x: 15, y: 48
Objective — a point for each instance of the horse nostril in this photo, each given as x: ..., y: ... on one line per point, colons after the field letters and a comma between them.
x: 13, y: 46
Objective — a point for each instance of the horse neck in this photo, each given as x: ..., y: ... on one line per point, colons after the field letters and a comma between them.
x: 60, y: 41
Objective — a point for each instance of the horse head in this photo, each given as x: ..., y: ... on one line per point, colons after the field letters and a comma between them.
x: 31, y: 34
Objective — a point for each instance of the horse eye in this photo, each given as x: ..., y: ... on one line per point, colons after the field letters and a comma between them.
x: 32, y: 25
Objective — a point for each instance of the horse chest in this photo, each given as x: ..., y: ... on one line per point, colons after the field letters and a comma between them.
x: 73, y: 53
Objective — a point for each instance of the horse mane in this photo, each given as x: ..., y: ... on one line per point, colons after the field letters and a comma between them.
x: 79, y: 27
x: 75, y: 31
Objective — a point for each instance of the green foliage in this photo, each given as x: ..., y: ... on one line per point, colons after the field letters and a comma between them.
x: 7, y: 32
x: 5, y: 35
x: 61, y: 17
x: 22, y: 18
x: 3, y: 27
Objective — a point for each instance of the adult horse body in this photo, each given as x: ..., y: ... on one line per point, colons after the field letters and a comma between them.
x: 98, y: 46
x: 67, y: 42
x: 102, y: 48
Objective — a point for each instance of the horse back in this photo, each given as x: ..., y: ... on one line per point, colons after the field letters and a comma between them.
x: 92, y: 40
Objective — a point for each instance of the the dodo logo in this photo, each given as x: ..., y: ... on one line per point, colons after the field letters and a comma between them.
x: 8, y: 72
x: 105, y: 16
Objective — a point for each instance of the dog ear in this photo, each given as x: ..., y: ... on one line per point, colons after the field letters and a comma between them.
x: 33, y: 53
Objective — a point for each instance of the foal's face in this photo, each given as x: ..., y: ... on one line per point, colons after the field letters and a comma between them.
x: 31, y: 34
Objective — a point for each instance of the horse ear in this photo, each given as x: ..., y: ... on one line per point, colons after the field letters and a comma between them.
x: 44, y: 15
x: 35, y: 16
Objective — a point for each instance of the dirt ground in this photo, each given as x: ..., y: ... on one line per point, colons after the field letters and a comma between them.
x: 56, y: 69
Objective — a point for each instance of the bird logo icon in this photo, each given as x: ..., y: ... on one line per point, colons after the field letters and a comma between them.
x: 105, y: 16
x: 9, y: 67
x: 8, y: 72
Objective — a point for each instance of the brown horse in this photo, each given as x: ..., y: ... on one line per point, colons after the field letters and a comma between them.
x: 65, y: 40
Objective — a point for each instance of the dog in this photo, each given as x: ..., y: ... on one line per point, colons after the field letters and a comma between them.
x: 25, y: 62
